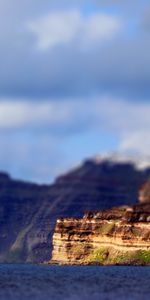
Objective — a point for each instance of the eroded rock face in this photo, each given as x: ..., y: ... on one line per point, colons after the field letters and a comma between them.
x: 116, y: 236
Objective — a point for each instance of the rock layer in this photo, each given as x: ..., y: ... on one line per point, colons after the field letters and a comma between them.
x: 115, y: 236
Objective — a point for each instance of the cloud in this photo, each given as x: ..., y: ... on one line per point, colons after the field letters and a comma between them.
x: 62, y: 118
x: 26, y: 114
x: 84, y: 55
x: 59, y: 118
x: 137, y: 141
x: 55, y: 29
x: 120, y: 68
x: 63, y: 27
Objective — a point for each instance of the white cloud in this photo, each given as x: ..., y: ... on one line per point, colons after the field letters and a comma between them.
x: 55, y: 28
x: 101, y: 27
x: 26, y: 114
x: 60, y: 28
x: 137, y: 141
x: 128, y: 120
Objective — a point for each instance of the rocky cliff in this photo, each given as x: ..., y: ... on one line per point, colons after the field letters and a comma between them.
x: 115, y: 236
x: 28, y: 212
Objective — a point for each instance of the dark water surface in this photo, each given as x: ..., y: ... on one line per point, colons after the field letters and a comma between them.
x: 54, y: 282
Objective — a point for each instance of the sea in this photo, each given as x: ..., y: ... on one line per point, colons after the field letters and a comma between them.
x: 34, y: 282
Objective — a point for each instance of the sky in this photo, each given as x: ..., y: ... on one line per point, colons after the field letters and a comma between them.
x: 74, y: 83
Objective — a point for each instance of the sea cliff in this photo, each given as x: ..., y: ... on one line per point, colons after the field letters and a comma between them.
x: 28, y: 212
x: 114, y: 236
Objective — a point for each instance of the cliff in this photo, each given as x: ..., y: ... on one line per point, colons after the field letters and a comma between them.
x: 19, y: 204
x: 144, y: 193
x: 28, y: 212
x: 115, y: 236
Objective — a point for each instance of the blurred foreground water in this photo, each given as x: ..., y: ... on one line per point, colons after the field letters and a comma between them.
x: 73, y: 283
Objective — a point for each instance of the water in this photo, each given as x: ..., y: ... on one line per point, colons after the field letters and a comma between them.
x: 73, y: 283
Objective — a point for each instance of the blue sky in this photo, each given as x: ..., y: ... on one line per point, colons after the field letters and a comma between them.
x: 74, y: 82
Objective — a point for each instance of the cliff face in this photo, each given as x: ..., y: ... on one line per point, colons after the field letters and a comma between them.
x: 19, y: 203
x: 28, y: 212
x: 116, y: 236
x: 144, y: 194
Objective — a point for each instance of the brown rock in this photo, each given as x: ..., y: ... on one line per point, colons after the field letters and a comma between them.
x: 116, y: 236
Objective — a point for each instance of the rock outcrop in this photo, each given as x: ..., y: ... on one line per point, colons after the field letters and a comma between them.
x: 28, y: 212
x: 115, y: 236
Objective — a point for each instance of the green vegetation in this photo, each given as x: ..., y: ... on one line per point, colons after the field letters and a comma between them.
x: 122, y: 257
x: 98, y: 256
x: 134, y: 257
x: 144, y: 256
x: 108, y: 256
